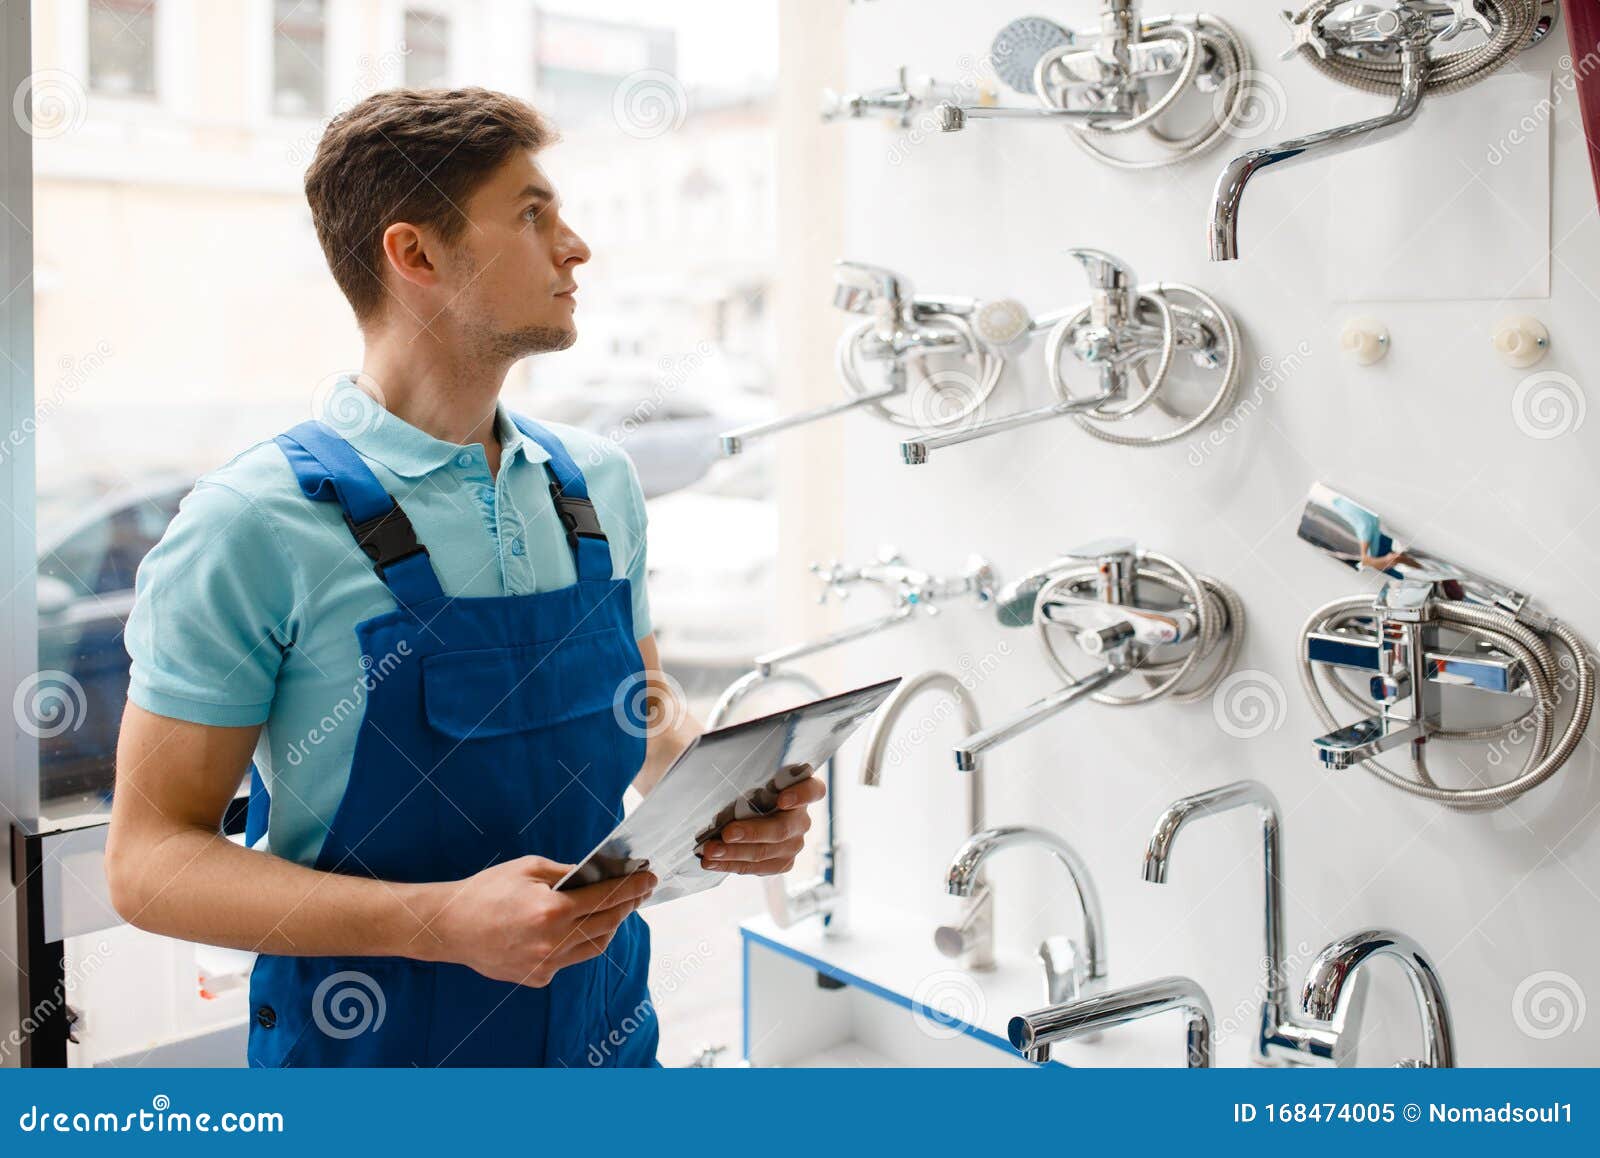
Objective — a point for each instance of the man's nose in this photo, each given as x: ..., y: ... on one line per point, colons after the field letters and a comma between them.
x: 575, y: 251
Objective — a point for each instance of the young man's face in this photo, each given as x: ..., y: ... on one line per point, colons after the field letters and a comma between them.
x: 514, y: 267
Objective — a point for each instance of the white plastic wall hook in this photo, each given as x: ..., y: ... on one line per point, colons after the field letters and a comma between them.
x: 1364, y: 340
x: 1001, y: 322
x: 1521, y: 340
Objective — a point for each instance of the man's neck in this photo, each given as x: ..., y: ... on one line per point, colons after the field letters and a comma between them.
x: 438, y: 390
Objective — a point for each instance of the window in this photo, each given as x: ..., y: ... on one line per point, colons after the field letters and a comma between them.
x: 122, y: 47
x: 427, y: 41
x: 299, y: 57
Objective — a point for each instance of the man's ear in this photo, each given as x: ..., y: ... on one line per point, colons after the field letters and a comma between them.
x: 408, y: 251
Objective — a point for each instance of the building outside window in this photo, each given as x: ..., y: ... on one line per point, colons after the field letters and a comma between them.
x: 299, y: 57
x: 427, y: 46
x: 122, y: 47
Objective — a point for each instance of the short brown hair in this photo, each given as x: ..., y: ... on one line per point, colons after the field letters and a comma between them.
x: 407, y: 155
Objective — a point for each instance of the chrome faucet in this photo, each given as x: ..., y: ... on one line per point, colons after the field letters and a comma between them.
x: 822, y: 896
x: 1318, y: 1038
x: 1121, y: 333
x: 901, y: 100
x: 972, y: 937
x: 900, y: 331
x: 912, y: 592
x: 1434, y: 627
x: 1384, y: 48
x: 1093, y: 594
x: 1071, y: 970
x: 1032, y: 1034
x: 1119, y: 80
x: 1333, y: 995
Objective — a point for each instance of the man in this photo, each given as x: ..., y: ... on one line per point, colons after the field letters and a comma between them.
x: 427, y: 623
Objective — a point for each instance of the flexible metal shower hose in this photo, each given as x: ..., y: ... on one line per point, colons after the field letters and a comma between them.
x: 1199, y: 33
x: 1501, y: 631
x: 1218, y: 637
x: 990, y: 365
x: 1446, y: 72
x: 1156, y: 296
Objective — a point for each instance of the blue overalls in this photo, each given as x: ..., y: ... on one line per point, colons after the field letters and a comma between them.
x: 500, y: 727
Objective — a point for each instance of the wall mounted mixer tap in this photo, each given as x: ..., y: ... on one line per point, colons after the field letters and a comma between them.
x: 1139, y: 616
x: 1327, y: 1028
x: 937, y: 358
x: 1131, y: 336
x: 1134, y: 93
x: 911, y: 591
x: 1382, y: 47
x: 1439, y: 645
x: 1072, y: 969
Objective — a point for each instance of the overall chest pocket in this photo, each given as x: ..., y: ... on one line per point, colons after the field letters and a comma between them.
x: 495, y: 692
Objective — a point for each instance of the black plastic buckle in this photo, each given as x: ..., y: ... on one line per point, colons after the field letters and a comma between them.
x: 388, y: 538
x: 577, y: 516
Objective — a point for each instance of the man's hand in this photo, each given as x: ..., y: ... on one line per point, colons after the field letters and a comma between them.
x: 765, y: 846
x: 509, y: 923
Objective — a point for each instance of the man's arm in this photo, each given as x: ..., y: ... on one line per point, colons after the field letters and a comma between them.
x: 172, y: 872
x: 671, y: 726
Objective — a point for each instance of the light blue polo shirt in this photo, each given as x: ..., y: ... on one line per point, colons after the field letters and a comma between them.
x: 245, y: 611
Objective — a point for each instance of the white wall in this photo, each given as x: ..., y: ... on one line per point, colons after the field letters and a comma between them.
x: 1429, y: 436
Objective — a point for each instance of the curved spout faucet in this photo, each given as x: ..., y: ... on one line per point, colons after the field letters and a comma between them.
x: 1381, y: 46
x: 972, y: 937
x: 1319, y: 1038
x: 1071, y: 971
x: 1333, y: 995
x: 1032, y: 1034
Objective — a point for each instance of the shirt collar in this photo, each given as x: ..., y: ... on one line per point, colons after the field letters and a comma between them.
x: 401, y: 447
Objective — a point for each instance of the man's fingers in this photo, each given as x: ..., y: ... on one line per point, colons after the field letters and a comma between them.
x: 803, y: 794
x: 605, y: 922
x: 717, y: 853
x: 766, y: 829
x: 542, y: 869
x: 605, y: 894
x: 753, y: 868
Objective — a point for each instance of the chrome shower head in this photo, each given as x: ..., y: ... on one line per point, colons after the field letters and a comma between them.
x: 1018, y: 47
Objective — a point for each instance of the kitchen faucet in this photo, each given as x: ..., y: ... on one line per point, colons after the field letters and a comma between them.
x: 972, y: 937
x: 1071, y: 970
x: 1328, y: 1029
x: 1032, y: 1034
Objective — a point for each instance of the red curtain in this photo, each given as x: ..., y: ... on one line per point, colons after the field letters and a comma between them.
x: 1583, y: 34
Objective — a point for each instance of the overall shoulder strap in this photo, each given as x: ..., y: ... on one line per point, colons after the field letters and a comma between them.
x: 329, y: 470
x: 591, y: 553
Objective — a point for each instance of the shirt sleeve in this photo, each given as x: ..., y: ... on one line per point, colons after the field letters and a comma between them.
x: 637, y: 562
x: 212, y: 613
